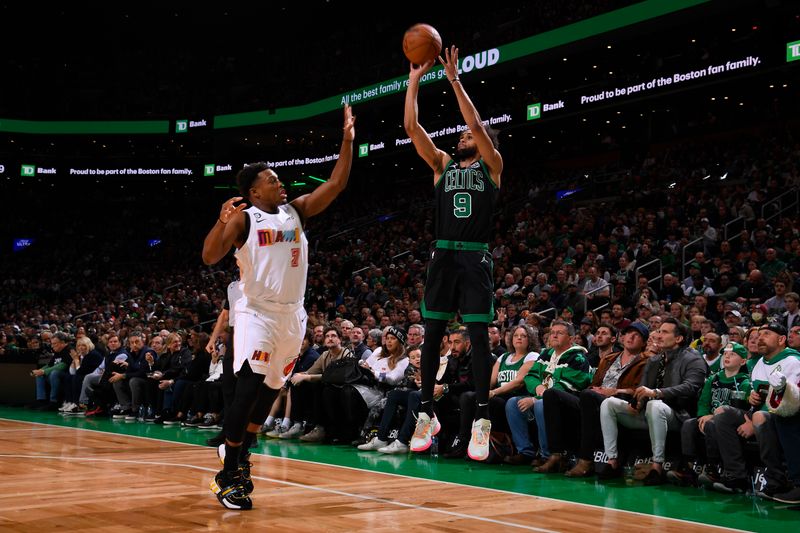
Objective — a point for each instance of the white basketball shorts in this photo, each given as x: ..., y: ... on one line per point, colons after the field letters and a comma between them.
x: 270, y: 341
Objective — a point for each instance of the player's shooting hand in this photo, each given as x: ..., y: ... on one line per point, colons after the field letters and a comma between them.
x: 417, y: 71
x: 229, y: 210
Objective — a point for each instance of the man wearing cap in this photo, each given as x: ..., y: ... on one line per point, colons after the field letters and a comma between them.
x: 731, y: 426
x: 733, y: 318
x: 619, y: 373
x: 699, y: 287
x: 730, y: 386
x: 665, y: 398
x: 695, y: 269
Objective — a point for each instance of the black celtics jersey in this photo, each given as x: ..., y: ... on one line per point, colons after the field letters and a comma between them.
x: 464, y: 203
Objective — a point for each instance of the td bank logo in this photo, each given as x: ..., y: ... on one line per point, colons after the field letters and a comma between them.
x: 535, y: 111
x: 363, y: 150
x: 181, y: 126
x: 792, y: 51
x: 208, y: 170
x: 28, y: 170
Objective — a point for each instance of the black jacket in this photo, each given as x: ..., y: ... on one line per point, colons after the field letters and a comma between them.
x: 684, y: 376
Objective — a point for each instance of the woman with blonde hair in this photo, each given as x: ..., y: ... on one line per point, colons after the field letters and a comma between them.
x: 85, y: 360
x: 678, y: 312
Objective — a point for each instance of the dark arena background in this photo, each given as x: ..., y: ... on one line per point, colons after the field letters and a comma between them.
x: 650, y: 147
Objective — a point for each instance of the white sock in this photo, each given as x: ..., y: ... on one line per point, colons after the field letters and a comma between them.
x: 270, y: 420
x: 287, y: 423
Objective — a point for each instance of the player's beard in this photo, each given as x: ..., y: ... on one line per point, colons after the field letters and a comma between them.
x: 466, y: 153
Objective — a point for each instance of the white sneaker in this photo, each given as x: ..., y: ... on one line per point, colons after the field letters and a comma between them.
x: 396, y: 447
x: 478, y: 449
x: 373, y: 445
x: 66, y: 406
x: 293, y: 432
x: 424, y: 431
x: 275, y: 433
x: 266, y: 428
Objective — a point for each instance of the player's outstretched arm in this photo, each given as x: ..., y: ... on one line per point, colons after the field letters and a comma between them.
x: 473, y: 120
x: 435, y: 158
x: 316, y: 202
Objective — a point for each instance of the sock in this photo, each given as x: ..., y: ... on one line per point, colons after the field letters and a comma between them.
x: 270, y: 419
x: 482, y: 411
x: 244, y: 449
x: 286, y: 424
x: 427, y: 408
x: 232, y: 457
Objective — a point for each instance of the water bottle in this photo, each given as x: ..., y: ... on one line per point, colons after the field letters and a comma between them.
x: 382, y: 377
x: 435, y: 447
x: 140, y: 414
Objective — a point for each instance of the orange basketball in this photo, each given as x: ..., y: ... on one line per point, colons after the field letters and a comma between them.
x: 421, y: 43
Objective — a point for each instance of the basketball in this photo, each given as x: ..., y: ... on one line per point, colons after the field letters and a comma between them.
x: 421, y: 43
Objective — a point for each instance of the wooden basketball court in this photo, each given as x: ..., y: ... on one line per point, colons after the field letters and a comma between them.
x: 70, y: 479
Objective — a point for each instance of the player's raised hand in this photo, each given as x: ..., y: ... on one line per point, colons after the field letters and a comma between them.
x: 450, y: 62
x: 349, y: 128
x: 229, y: 210
x: 417, y: 71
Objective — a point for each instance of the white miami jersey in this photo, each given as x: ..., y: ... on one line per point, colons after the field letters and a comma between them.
x: 274, y: 259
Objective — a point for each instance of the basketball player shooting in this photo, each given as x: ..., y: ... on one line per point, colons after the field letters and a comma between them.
x: 272, y: 250
x: 460, y: 271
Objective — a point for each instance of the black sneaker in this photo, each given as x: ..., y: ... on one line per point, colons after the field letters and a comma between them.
x: 682, y: 477
x: 732, y: 485
x: 173, y: 420
x: 247, y: 483
x: 606, y: 472
x: 230, y: 492
x: 192, y: 422
x: 456, y: 452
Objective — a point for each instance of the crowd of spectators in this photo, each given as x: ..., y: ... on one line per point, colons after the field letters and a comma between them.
x: 716, y: 265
